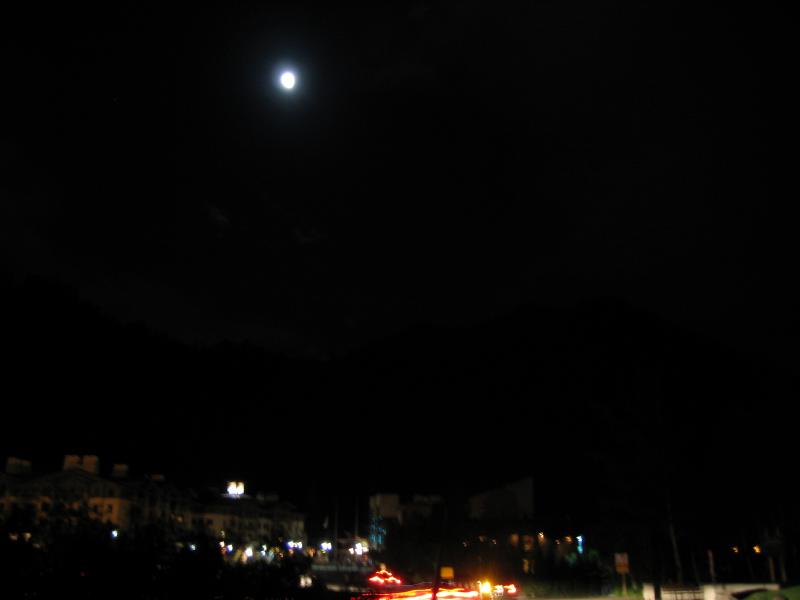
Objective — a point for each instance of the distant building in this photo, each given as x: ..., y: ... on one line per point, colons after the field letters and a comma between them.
x: 18, y: 466
x: 73, y: 492
x: 6, y: 482
x: 383, y: 508
x: 420, y: 507
x: 502, y: 517
x: 386, y: 506
x: 79, y: 491
x: 239, y: 520
x: 248, y: 519
x: 512, y: 502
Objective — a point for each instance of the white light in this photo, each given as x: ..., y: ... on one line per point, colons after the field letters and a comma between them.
x: 288, y: 80
x: 230, y: 547
x: 114, y: 534
x: 236, y: 488
x: 249, y: 553
x: 192, y: 547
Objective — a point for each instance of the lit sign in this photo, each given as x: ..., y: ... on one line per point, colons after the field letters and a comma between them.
x: 236, y: 488
x: 383, y: 577
x: 490, y: 590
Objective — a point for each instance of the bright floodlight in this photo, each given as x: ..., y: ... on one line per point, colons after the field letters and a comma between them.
x: 288, y: 80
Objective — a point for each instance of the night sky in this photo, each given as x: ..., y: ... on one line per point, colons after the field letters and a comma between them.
x: 475, y: 238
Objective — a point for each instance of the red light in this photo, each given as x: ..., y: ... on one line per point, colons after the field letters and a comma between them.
x: 511, y: 589
x: 382, y: 577
x: 427, y: 594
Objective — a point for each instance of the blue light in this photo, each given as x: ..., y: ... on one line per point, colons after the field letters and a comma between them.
x: 580, y: 544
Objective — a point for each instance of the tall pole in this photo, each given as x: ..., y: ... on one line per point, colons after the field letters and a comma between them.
x: 437, y: 573
x: 711, y: 570
x: 335, y: 528
x: 676, y: 555
x: 749, y: 563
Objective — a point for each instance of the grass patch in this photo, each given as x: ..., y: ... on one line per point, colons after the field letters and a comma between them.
x: 791, y: 593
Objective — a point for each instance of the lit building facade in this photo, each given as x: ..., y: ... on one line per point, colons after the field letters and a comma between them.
x: 78, y: 491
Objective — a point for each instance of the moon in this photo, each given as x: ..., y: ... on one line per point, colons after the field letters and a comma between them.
x: 288, y: 80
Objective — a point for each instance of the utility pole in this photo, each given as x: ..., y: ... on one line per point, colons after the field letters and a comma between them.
x: 782, y: 563
x: 711, y: 570
x: 665, y: 475
x: 437, y: 573
x: 781, y: 554
x: 335, y: 550
x: 674, y: 539
x: 695, y: 570
x: 748, y: 562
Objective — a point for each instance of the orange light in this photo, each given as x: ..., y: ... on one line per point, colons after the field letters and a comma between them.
x: 456, y: 593
x: 383, y: 577
x: 511, y: 589
x: 757, y: 549
x: 427, y: 594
